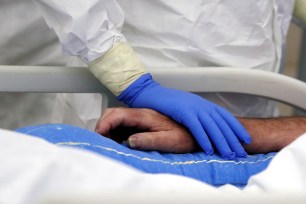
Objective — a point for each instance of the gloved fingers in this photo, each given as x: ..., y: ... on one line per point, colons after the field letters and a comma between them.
x: 216, y: 136
x: 235, y: 125
x: 230, y: 137
x: 195, y: 127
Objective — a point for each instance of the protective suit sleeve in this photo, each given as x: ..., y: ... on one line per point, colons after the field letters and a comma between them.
x: 87, y: 29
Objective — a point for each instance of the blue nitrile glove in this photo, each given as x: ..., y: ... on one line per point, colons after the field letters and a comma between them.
x: 209, y: 123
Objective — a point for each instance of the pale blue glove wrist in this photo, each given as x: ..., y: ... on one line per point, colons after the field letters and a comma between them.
x: 210, y: 124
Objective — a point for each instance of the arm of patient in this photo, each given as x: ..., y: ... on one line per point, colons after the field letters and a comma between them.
x: 272, y: 134
x: 146, y: 129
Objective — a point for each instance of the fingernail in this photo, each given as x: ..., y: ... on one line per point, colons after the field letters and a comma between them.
x: 133, y: 141
x: 247, y: 140
x: 209, y: 151
x: 242, y: 154
x: 230, y: 156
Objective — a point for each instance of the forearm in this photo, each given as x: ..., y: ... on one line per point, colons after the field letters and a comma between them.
x: 272, y: 134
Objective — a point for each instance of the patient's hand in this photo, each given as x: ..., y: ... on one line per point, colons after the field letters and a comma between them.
x: 145, y: 129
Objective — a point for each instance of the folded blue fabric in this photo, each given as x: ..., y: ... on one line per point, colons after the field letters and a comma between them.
x: 211, y: 169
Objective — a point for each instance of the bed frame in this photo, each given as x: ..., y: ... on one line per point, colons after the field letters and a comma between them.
x: 53, y: 79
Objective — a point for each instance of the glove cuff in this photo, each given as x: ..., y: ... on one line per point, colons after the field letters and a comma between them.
x: 299, y: 10
x: 118, y: 68
x: 130, y: 94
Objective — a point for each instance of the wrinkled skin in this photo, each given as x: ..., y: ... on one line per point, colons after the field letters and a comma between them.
x: 145, y: 129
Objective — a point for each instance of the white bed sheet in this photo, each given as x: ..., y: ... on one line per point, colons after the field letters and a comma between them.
x: 35, y: 171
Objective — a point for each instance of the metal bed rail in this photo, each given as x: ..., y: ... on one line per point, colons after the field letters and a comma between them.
x: 53, y: 79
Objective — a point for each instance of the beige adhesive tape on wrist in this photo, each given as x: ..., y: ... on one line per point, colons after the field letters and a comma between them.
x: 300, y: 10
x: 118, y: 68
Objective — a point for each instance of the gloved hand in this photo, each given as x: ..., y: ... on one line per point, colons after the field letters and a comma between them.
x: 211, y: 125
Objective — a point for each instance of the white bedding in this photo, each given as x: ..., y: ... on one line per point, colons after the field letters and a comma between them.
x: 35, y: 171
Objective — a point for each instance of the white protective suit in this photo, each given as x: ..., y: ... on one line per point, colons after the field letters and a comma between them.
x: 174, y: 33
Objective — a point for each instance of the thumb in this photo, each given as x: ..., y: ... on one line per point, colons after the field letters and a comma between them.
x: 162, y: 141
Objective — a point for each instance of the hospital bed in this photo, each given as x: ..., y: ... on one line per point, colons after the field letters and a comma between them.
x: 79, y: 80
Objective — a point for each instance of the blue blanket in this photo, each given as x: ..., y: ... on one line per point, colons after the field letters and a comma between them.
x: 211, y: 169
